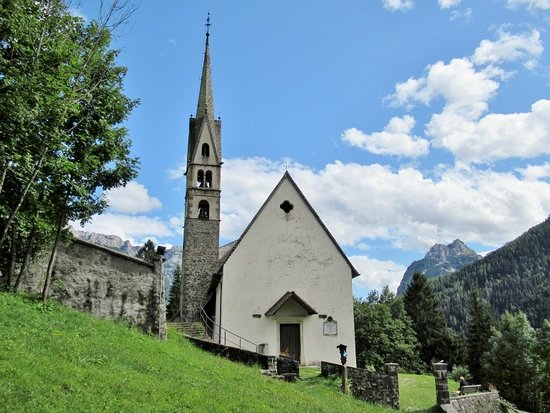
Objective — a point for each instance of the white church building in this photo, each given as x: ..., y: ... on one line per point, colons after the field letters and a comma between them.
x: 285, y: 285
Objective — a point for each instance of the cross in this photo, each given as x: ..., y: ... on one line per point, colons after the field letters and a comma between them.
x: 208, y: 24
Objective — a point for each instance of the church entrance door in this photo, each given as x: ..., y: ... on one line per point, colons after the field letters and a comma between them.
x: 290, y: 340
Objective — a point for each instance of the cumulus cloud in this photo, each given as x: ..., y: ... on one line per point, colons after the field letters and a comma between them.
x: 447, y: 4
x: 536, y: 172
x: 529, y: 4
x: 129, y: 227
x: 362, y: 203
x: 376, y: 274
x: 133, y: 198
x: 395, y: 139
x: 510, y: 47
x: 465, y: 87
x: 397, y: 5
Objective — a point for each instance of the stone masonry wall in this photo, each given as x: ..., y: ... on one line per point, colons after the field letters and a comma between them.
x: 372, y: 387
x: 105, y: 283
x: 200, y: 258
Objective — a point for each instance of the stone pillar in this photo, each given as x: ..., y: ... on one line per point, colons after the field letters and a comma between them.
x: 441, y: 383
x: 158, y: 262
x: 392, y: 370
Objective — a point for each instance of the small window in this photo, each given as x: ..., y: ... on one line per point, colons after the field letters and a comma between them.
x: 287, y: 207
x: 205, y: 150
x: 204, y: 210
x: 208, y: 180
x: 200, y: 178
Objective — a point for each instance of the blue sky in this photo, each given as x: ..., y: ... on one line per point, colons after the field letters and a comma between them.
x: 405, y: 122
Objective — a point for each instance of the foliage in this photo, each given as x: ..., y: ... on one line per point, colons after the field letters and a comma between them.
x: 61, y: 142
x: 384, y: 334
x: 478, y: 334
x: 436, y: 341
x: 172, y: 309
x: 147, y: 251
x: 511, y: 363
x: 514, y: 277
x: 542, y: 349
x: 461, y: 371
x: 58, y: 360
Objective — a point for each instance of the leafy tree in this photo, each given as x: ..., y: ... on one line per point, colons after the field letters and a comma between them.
x: 542, y: 349
x: 172, y: 309
x: 383, y: 333
x: 62, y: 102
x: 147, y: 251
x: 479, y: 325
x: 511, y: 364
x: 436, y: 341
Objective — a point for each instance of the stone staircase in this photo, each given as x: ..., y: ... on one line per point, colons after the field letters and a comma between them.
x: 194, y: 329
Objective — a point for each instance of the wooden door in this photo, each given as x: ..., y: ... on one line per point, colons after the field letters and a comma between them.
x: 290, y: 340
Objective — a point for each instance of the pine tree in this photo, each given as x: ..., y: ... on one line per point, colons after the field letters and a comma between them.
x: 147, y: 252
x: 479, y: 325
x: 431, y: 330
x: 172, y: 309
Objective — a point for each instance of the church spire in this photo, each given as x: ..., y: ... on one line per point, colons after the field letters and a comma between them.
x: 205, y: 106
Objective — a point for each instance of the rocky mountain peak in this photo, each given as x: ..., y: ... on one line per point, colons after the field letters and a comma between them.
x: 439, y: 260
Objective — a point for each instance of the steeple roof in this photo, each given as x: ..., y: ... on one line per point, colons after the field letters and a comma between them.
x: 205, y: 106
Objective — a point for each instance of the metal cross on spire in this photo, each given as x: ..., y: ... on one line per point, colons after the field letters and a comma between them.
x: 208, y: 24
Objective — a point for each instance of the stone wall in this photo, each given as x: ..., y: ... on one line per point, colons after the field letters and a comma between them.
x: 372, y: 387
x: 105, y: 283
x: 485, y: 402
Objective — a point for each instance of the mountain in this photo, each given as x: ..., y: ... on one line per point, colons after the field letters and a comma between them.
x: 172, y: 256
x: 514, y: 277
x: 440, y: 260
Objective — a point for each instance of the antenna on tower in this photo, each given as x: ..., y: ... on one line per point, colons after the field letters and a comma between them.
x: 208, y: 24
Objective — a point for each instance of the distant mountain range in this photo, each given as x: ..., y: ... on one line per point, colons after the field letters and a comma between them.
x: 172, y: 256
x: 440, y: 260
x: 514, y: 277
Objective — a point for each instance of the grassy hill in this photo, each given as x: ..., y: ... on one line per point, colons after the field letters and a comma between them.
x: 53, y: 359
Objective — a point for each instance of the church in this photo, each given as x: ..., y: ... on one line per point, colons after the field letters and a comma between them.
x: 285, y: 286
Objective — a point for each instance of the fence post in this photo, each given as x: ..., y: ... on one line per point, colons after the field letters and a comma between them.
x: 441, y: 383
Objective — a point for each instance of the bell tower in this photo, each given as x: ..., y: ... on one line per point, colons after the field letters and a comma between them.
x: 201, y: 235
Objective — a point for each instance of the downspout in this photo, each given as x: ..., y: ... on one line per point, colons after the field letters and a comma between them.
x: 220, y: 313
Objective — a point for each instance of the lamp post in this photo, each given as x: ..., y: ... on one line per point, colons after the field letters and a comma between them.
x: 343, y: 359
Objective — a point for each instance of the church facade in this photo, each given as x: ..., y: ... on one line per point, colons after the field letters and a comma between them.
x: 285, y: 284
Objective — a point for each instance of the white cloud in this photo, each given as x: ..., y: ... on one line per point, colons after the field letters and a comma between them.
x: 395, y: 139
x: 398, y: 5
x: 495, y: 136
x: 536, y: 172
x: 530, y: 4
x: 447, y: 4
x: 465, y: 14
x: 135, y: 228
x: 510, y: 47
x: 376, y: 274
x: 133, y: 198
x: 362, y: 203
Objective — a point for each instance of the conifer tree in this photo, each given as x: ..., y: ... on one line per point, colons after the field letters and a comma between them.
x: 431, y: 330
x: 172, y: 309
x: 478, y: 334
x: 147, y: 251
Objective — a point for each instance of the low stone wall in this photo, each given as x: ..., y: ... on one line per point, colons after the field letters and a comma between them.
x: 287, y: 365
x: 484, y: 402
x: 233, y: 353
x: 105, y: 283
x: 372, y: 387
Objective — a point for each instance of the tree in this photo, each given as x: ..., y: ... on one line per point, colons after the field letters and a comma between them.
x: 479, y: 325
x: 542, y: 349
x: 172, y: 309
x: 511, y: 364
x: 436, y: 341
x: 62, y: 102
x: 383, y: 333
x: 147, y: 251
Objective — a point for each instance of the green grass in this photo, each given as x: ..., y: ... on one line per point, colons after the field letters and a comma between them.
x: 53, y: 359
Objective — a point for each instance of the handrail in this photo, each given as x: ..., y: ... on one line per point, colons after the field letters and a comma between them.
x: 210, y: 326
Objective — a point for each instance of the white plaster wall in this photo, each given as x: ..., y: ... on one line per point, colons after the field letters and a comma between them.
x: 289, y: 252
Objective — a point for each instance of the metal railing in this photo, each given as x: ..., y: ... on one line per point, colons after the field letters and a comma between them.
x: 224, y: 336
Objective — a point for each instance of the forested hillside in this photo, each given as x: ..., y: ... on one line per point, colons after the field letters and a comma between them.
x: 514, y: 277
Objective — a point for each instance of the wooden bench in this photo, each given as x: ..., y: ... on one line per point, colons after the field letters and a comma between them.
x: 473, y: 388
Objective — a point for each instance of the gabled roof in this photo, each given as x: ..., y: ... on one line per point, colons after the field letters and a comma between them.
x: 289, y: 295
x: 286, y: 176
